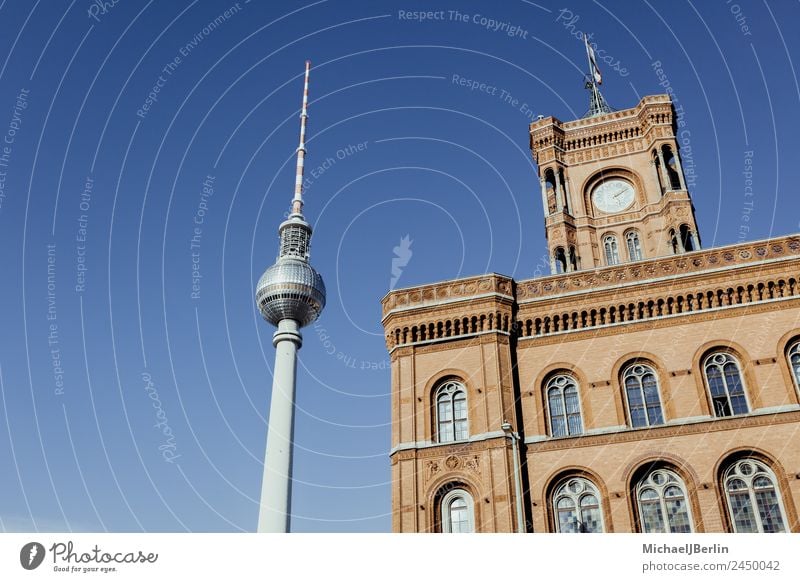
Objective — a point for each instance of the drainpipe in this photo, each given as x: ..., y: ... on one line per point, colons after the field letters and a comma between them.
x: 506, y: 426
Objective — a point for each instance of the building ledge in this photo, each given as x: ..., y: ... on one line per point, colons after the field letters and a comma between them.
x: 677, y: 427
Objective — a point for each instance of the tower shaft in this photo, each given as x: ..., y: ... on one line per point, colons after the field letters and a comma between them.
x: 276, y: 492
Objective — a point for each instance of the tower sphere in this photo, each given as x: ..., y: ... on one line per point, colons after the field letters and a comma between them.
x: 290, y: 289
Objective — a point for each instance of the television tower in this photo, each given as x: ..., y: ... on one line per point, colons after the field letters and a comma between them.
x: 290, y: 295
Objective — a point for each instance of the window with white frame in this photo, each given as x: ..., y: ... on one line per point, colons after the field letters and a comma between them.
x: 451, y: 412
x: 663, y: 503
x: 576, y: 505
x: 793, y: 355
x: 754, y: 501
x: 634, y: 246
x: 564, y: 406
x: 458, y: 512
x: 725, y: 383
x: 611, y: 249
x: 641, y: 392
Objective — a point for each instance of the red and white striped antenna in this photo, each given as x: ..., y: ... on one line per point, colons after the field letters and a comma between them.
x: 297, y: 201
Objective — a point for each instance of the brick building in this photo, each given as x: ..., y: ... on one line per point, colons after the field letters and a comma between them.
x: 646, y: 385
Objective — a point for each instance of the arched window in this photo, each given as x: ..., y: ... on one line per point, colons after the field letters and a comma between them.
x: 564, y: 406
x: 634, y: 246
x: 451, y: 412
x: 458, y: 512
x: 754, y: 501
x: 573, y: 258
x: 560, y: 260
x: 663, y: 504
x: 673, y: 241
x: 562, y: 181
x: 672, y: 167
x: 641, y: 392
x: 687, y: 238
x: 657, y: 167
x: 611, y: 249
x: 576, y: 505
x: 550, y: 190
x: 724, y: 379
x: 793, y: 355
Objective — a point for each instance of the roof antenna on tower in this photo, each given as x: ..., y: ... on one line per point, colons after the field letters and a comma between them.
x: 597, y: 104
x: 297, y: 201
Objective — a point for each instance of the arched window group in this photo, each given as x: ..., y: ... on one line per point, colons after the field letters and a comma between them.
x: 660, y: 497
x: 565, y: 261
x: 633, y: 246
x: 661, y: 501
x: 641, y: 390
x: 451, y: 412
x: 683, y: 240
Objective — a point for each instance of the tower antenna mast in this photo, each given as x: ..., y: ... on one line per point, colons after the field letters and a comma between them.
x: 297, y: 201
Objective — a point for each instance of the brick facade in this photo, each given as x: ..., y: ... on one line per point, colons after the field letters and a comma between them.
x: 504, y: 339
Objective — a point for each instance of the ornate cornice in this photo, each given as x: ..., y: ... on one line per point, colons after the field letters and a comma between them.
x: 644, y: 271
x: 491, y: 285
x: 617, y: 133
x: 657, y: 292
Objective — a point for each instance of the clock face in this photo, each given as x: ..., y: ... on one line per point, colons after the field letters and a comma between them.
x: 613, y: 195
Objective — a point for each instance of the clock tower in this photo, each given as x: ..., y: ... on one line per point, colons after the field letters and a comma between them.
x: 613, y: 188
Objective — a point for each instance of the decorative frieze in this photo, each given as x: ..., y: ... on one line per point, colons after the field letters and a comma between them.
x: 741, y: 254
x: 738, y: 275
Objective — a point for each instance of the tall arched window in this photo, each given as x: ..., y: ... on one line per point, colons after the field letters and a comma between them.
x: 560, y: 260
x: 673, y: 242
x: 550, y: 191
x: 641, y: 391
x: 634, y: 246
x: 576, y: 505
x: 451, y: 412
x: 564, y: 406
x: 754, y: 501
x: 573, y: 258
x: 724, y: 379
x: 611, y: 249
x: 663, y: 504
x: 672, y: 167
x: 657, y: 167
x: 793, y: 355
x: 687, y: 238
x: 458, y: 512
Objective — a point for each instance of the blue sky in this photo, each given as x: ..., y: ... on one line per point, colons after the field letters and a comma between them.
x: 417, y: 129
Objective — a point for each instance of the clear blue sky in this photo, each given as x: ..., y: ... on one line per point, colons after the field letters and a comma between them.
x: 445, y: 165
